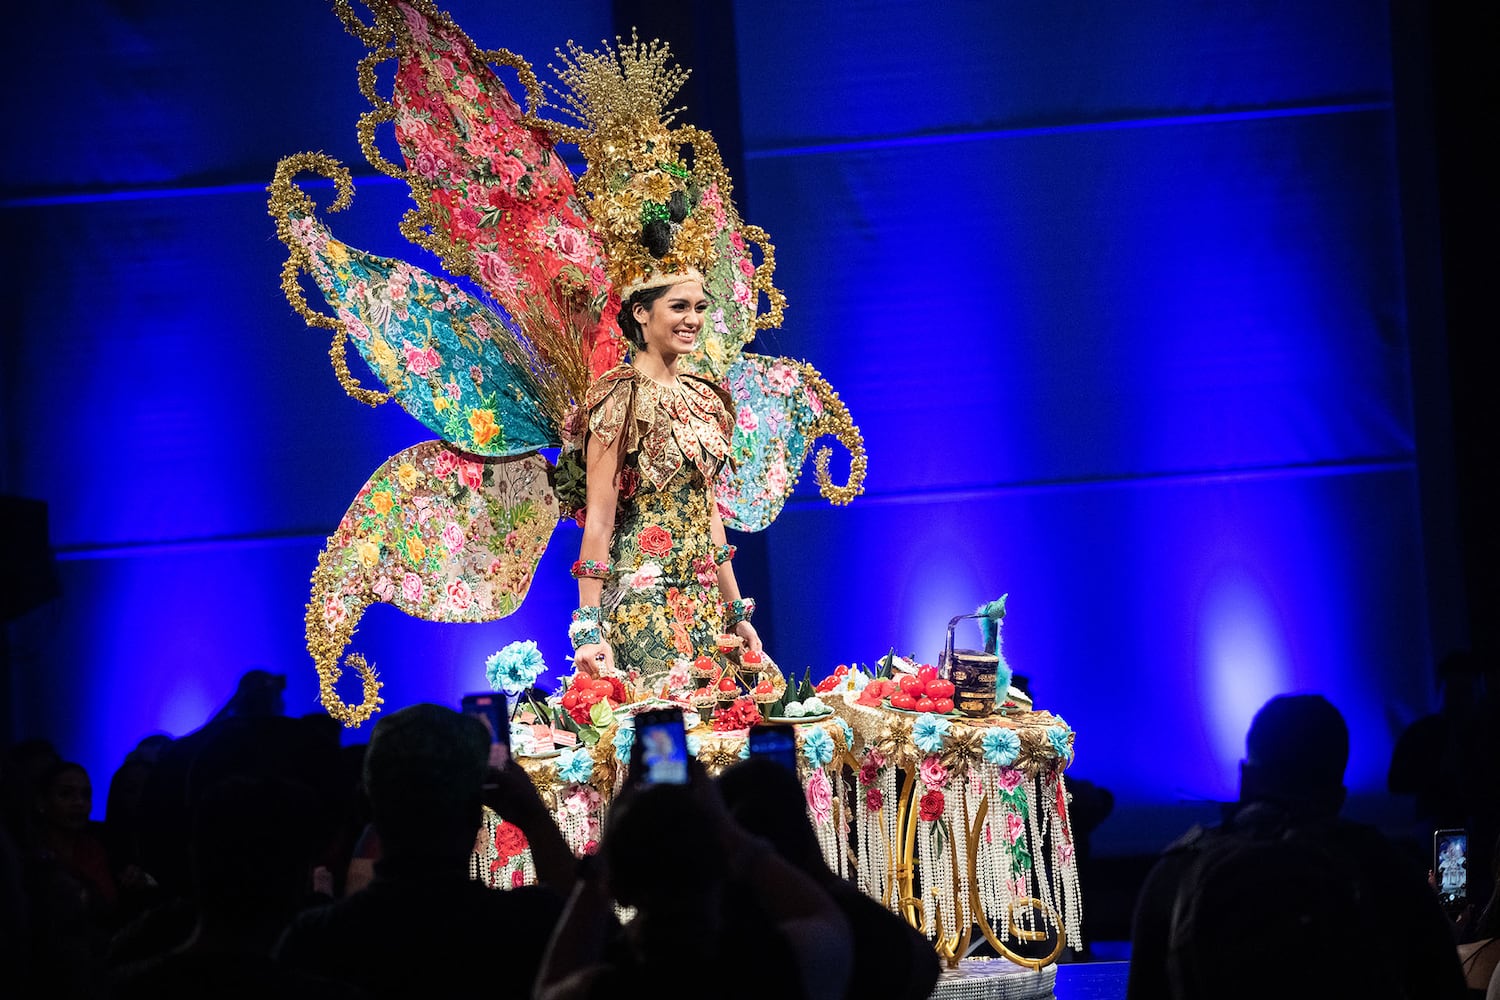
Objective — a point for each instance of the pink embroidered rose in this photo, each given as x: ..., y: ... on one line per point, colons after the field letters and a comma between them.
x: 820, y: 798
x: 932, y: 772
x: 384, y: 588
x: 1015, y: 827
x: 572, y: 244
x: 418, y: 360
x: 459, y: 596
x: 737, y: 241
x: 746, y: 419
x: 776, y: 478
x: 354, y: 325
x: 468, y: 88
x: 494, y: 273
x: 874, y: 799
x: 333, y: 611
x: 509, y: 169
x: 706, y: 570
x: 427, y: 164
x: 471, y: 474
x: 411, y: 587
x: 445, y: 464
x: 869, y: 771
x: 513, y: 540
x: 655, y: 540
x: 646, y: 577
x: 453, y: 536
x: 783, y: 378
x: 517, y: 879
x: 446, y: 69
x: 742, y: 293
x: 1010, y: 778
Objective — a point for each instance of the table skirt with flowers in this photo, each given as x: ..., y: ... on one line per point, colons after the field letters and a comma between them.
x: 959, y: 825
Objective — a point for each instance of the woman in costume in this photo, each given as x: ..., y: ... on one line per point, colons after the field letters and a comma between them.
x: 658, y: 455
x: 654, y: 572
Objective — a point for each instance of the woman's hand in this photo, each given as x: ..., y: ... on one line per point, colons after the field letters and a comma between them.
x: 594, y: 658
x: 747, y: 632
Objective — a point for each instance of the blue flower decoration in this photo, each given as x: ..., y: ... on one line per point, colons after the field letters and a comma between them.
x: 515, y: 668
x: 848, y: 734
x: 694, y: 744
x: 624, y: 740
x: 1058, y: 737
x: 817, y: 747
x: 1001, y: 746
x: 576, y: 766
x: 928, y: 732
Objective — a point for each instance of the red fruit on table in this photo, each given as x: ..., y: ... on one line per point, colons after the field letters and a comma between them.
x: 927, y: 672
x: 903, y: 701
x: 938, y: 688
x: 925, y: 704
x: 570, y: 697
x: 942, y: 706
x: 911, y: 684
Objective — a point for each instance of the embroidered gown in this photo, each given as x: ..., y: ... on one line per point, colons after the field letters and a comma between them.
x: 662, y: 601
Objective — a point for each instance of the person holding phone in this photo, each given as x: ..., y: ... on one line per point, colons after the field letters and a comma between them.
x: 736, y: 902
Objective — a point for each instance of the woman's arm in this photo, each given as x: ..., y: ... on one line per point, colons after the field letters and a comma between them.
x: 601, y: 499
x: 729, y: 589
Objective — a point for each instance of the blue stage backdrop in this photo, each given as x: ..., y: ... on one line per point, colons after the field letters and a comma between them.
x: 1114, y: 291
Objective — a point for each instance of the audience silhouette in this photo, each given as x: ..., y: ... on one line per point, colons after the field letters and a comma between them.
x: 1285, y: 898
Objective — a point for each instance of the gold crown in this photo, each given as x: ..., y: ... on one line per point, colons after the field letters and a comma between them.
x: 644, y: 195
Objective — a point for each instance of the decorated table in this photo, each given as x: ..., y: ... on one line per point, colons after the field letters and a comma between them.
x: 959, y: 824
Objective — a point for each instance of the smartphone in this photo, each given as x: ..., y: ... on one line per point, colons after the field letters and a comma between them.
x: 778, y: 743
x: 490, y: 708
x: 659, y: 754
x: 1450, y: 866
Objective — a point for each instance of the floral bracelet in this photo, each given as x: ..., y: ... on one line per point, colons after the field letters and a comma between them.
x: 586, y: 628
x: 739, y: 611
x: 723, y: 554
x: 592, y: 569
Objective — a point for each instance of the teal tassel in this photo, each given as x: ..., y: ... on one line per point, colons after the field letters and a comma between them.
x: 989, y: 622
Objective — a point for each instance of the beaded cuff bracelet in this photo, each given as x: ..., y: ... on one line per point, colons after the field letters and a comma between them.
x: 739, y: 611
x: 723, y: 554
x: 592, y: 569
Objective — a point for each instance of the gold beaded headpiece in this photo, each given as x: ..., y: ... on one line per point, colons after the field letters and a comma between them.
x: 663, y: 216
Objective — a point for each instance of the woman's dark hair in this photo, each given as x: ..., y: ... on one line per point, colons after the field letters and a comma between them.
x: 628, y: 325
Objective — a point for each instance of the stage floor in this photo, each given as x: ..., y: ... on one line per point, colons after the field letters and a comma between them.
x: 1091, y: 981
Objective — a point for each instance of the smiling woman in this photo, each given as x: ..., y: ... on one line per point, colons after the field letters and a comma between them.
x: 653, y: 569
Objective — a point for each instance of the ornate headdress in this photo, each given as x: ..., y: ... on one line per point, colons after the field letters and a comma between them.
x: 452, y: 530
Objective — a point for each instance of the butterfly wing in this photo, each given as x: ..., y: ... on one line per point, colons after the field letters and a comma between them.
x: 781, y: 407
x: 441, y: 535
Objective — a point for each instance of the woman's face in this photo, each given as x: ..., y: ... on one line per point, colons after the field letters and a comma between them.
x: 67, y: 802
x: 670, y: 325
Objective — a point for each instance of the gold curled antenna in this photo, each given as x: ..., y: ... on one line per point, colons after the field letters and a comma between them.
x: 288, y: 201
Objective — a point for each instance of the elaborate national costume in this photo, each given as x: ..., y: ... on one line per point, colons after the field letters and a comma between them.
x: 452, y: 530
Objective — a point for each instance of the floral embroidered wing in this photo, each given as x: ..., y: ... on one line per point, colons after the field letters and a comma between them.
x: 495, y: 201
x: 780, y: 407
x: 452, y: 363
x: 442, y: 535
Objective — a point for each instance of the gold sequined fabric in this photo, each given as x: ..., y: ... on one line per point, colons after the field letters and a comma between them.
x: 663, y: 427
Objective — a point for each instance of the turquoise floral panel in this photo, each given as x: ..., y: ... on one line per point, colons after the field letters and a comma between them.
x: 776, y: 413
x: 436, y: 348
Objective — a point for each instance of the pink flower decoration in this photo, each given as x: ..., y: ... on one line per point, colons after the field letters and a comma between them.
x: 411, y: 587
x: 1010, y: 778
x: 746, y: 419
x: 445, y: 464
x: 517, y: 879
x: 472, y: 474
x: 820, y: 798
x: 459, y: 596
x: 874, y: 799
x: 1014, y: 827
x: 932, y: 772
x: 453, y: 536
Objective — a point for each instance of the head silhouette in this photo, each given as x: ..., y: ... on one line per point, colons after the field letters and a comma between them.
x: 424, y: 775
x: 1295, y: 755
